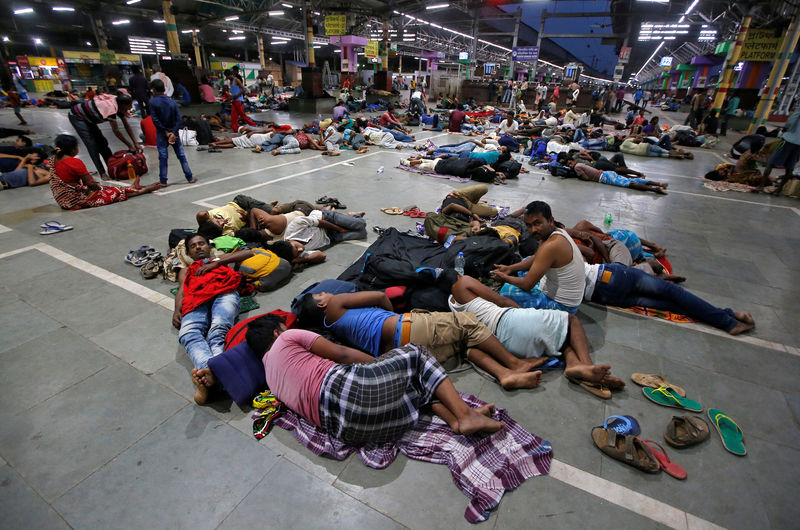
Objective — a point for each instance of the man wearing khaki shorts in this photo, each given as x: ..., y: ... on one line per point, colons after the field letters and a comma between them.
x: 367, y: 321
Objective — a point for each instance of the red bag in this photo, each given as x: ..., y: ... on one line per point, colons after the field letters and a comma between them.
x: 118, y: 164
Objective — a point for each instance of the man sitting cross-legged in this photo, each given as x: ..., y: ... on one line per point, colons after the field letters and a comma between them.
x: 206, y: 305
x: 531, y: 332
x: 367, y: 321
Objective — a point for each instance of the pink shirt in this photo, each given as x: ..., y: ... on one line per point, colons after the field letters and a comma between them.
x: 294, y: 374
x: 585, y: 170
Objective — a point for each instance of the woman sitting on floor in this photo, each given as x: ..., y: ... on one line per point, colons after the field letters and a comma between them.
x: 354, y: 396
x: 74, y: 188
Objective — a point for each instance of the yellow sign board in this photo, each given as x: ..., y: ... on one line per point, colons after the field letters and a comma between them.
x: 42, y: 61
x: 371, y: 49
x: 760, y: 45
x: 335, y: 24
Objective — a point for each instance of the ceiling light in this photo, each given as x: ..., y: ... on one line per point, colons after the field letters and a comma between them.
x: 317, y: 47
x: 23, y: 11
x: 63, y: 8
x: 287, y: 5
x: 234, y: 17
x: 237, y: 31
x: 5, y: 38
x: 437, y: 6
x: 37, y: 41
x: 240, y: 37
x: 88, y: 43
x: 120, y: 22
x: 131, y: 2
x: 275, y: 13
x: 213, y: 54
x: 315, y: 12
x: 159, y: 20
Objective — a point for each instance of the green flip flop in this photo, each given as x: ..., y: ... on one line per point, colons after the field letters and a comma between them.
x: 731, y: 434
x: 665, y: 396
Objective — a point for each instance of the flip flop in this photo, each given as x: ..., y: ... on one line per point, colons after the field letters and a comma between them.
x: 655, y: 381
x: 262, y: 425
x: 394, y: 210
x: 418, y: 214
x: 664, y: 395
x: 623, y: 425
x: 670, y: 468
x: 685, y: 431
x: 627, y: 449
x: 265, y: 399
x: 593, y: 388
x: 48, y: 231
x: 555, y: 363
x: 730, y: 433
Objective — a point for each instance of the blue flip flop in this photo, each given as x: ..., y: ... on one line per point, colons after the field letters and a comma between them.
x: 555, y: 363
x: 53, y: 227
x: 623, y: 425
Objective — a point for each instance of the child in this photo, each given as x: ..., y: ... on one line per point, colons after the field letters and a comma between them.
x: 167, y: 119
x: 16, y: 104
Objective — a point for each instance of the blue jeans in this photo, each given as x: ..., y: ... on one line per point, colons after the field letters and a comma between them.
x: 163, y: 145
x: 631, y: 287
x: 273, y: 143
x: 534, y: 298
x: 461, y: 150
x: 203, y: 329
x: 356, y: 226
x: 400, y: 137
x: 417, y: 103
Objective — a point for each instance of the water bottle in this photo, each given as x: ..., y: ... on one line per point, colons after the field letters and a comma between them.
x: 460, y: 263
x: 131, y: 171
x: 608, y: 219
x: 319, y: 118
x: 380, y: 170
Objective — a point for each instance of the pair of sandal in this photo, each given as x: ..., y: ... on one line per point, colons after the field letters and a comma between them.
x: 413, y: 211
x: 53, y: 227
x: 394, y: 210
x: 331, y: 201
x: 142, y: 255
x: 618, y: 438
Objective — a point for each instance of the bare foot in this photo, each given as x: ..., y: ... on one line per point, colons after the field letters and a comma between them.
x: 487, y: 410
x: 741, y: 327
x: 362, y: 214
x: 747, y: 318
x: 474, y: 421
x: 660, y: 191
x: 256, y: 149
x: 334, y: 153
x: 201, y: 394
x: 594, y: 373
x: 273, y: 203
x: 206, y: 377
x: 664, y: 185
x: 516, y: 380
x: 613, y: 383
x: 526, y: 365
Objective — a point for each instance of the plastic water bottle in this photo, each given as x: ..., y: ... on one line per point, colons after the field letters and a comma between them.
x: 608, y: 219
x: 319, y: 118
x: 380, y: 170
x: 460, y: 263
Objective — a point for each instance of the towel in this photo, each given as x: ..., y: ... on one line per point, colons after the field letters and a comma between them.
x: 483, y: 466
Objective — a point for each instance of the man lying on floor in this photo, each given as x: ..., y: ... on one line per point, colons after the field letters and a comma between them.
x: 248, y: 139
x: 234, y: 215
x: 471, y: 168
x: 589, y: 173
x: 595, y: 159
x: 637, y: 145
x: 366, y: 320
x: 528, y: 332
x: 566, y: 280
x: 321, y: 229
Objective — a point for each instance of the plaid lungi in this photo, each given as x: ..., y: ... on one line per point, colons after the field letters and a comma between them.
x: 380, y: 400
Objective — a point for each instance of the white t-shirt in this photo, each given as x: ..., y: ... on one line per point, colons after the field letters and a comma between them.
x: 306, y: 230
x: 484, y: 310
x: 416, y: 95
x: 168, y: 88
x: 591, y: 272
x: 505, y: 128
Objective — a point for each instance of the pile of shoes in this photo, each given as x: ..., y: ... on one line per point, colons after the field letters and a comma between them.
x: 149, y: 260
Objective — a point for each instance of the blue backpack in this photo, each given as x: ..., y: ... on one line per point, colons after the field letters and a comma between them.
x: 539, y: 149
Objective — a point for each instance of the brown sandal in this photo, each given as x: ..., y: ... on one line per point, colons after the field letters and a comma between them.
x: 685, y: 431
x: 656, y: 381
x: 625, y: 448
x: 599, y: 390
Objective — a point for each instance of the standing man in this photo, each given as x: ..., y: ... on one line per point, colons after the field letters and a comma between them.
x: 620, y: 99
x: 647, y: 97
x: 16, y: 104
x: 139, y: 90
x: 158, y: 74
x: 730, y: 110
x: 637, y: 96
x: 236, y: 88
x: 788, y: 151
x: 167, y: 119
x: 695, y: 116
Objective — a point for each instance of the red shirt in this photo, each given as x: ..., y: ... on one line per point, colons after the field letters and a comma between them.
x: 197, y: 290
x: 387, y: 118
x: 70, y: 170
x: 456, y: 119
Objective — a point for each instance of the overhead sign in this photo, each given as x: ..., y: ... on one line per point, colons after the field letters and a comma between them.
x: 147, y: 46
x: 625, y: 54
x: 371, y: 49
x: 618, y: 71
x: 336, y: 24
x: 666, y: 61
x: 525, y: 53
x: 760, y: 45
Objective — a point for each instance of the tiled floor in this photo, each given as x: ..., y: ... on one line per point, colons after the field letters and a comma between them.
x: 97, y: 426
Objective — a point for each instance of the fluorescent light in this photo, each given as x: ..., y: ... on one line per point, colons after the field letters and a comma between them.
x: 234, y: 17
x: 159, y: 20
x: 5, y: 38
x: 237, y: 31
x: 131, y: 2
x: 287, y: 5
x: 437, y: 6
x: 37, y: 40
x: 275, y: 13
x: 23, y: 11
x: 317, y: 47
x: 190, y: 30
x: 120, y: 22
x: 240, y: 37
x: 315, y: 12
x: 64, y: 8
x: 88, y: 43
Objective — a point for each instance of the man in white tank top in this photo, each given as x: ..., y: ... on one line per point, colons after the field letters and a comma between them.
x: 555, y: 277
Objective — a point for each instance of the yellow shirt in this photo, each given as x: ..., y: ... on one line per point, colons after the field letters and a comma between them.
x: 233, y: 215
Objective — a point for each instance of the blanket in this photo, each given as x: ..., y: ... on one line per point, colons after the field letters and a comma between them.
x: 484, y: 467
x: 414, y: 169
x: 724, y: 185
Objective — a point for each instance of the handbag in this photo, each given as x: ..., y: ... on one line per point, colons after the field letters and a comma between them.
x: 188, y: 137
x: 118, y: 164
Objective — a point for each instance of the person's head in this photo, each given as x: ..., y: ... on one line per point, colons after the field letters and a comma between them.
x: 539, y: 219
x: 198, y: 247
x: 571, y: 162
x: 136, y: 69
x: 157, y: 86
x: 235, y: 69
x: 641, y: 112
x: 22, y: 141
x: 573, y: 107
x: 654, y: 121
x: 124, y: 104
x: 756, y: 143
x: 341, y: 128
x: 762, y: 131
x: 211, y: 229
x: 509, y: 117
x: 262, y: 332
x: 228, y: 73
x: 504, y: 155
x: 311, y: 309
x: 66, y: 145
x: 287, y: 250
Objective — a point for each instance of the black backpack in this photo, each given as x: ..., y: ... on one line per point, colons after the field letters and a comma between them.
x: 510, y: 168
